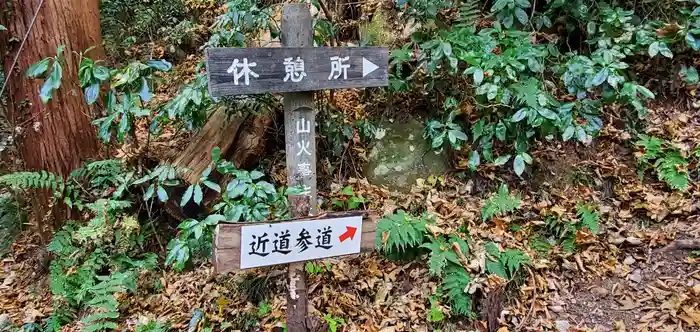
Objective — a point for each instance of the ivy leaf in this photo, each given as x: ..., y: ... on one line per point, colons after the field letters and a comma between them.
x: 91, y: 93
x: 581, y: 134
x: 198, y: 194
x: 38, y: 68
x: 690, y: 74
x: 478, y: 129
x: 187, y: 195
x: 519, y: 165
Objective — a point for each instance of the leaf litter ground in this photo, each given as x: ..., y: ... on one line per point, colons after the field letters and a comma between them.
x: 629, y: 277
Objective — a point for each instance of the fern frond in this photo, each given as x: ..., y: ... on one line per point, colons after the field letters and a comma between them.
x: 455, y: 285
x: 588, y: 216
x: 469, y: 13
x: 650, y: 147
x: 108, y: 205
x: 500, y: 203
x: 513, y: 259
x: 672, y: 169
x: 33, y: 180
x: 399, y: 232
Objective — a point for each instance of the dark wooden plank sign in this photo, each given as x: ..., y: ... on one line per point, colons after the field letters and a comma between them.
x: 244, y: 71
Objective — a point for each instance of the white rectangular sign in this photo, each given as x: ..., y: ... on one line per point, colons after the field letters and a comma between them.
x: 282, y: 243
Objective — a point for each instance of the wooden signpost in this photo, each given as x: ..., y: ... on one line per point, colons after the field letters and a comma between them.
x: 295, y: 70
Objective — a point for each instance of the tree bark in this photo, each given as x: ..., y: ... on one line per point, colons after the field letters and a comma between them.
x: 59, y: 136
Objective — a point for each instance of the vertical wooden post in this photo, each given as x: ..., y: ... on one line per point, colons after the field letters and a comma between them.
x: 300, y: 139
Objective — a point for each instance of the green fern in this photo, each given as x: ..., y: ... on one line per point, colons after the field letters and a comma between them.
x: 650, y: 147
x: 672, y: 169
x: 455, y: 285
x: 100, y: 174
x: 469, y: 13
x: 500, y: 203
x: 11, y: 220
x: 399, y: 232
x: 504, y: 264
x: 442, y: 253
x: 669, y: 164
x: 104, y: 302
x: 513, y: 259
x: 588, y: 217
x: 33, y: 180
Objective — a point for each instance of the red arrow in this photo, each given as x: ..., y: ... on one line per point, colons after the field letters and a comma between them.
x: 350, y: 233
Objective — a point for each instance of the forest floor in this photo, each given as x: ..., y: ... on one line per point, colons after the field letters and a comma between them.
x: 632, y: 276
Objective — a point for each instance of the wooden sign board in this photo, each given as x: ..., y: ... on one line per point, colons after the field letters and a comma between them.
x: 244, y: 71
x: 248, y: 245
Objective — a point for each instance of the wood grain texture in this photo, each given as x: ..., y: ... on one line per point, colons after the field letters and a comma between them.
x: 227, y: 242
x: 297, y: 31
x: 271, y: 70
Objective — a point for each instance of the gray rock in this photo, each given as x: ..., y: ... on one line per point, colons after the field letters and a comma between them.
x: 5, y: 322
x: 629, y: 260
x: 402, y: 156
x: 562, y: 325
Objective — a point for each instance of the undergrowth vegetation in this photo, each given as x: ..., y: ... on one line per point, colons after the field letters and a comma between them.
x: 494, y: 80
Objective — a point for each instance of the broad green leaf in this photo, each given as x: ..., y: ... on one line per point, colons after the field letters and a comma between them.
x: 3, y: 28
x: 38, y: 68
x: 519, y: 115
x: 653, y: 49
x: 187, y: 195
x: 100, y: 72
x: 591, y: 28
x: 519, y: 165
x: 547, y: 113
x: 162, y: 194
x: 501, y: 160
x: 256, y: 175
x: 600, y: 77
x: 45, y: 91
x: 478, y: 76
x: 56, y: 75
x: 521, y: 16
x: 161, y: 65
x: 347, y: 191
x: 460, y: 135
x: 215, y: 154
x: 145, y: 92
x: 645, y: 92
x: 474, y: 160
x: 501, y: 131
x: 690, y: 74
x: 149, y: 192
x: 91, y: 93
x: 197, y: 196
x: 212, y: 185
x: 568, y: 133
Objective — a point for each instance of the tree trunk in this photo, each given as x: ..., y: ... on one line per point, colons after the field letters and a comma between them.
x: 59, y: 136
